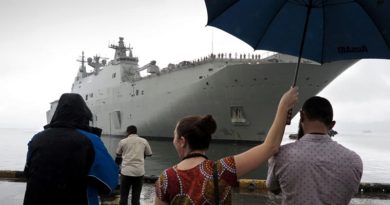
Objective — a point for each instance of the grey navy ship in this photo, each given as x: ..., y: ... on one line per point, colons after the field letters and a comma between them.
x: 240, y: 91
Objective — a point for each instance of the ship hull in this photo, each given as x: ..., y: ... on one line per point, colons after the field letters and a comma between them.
x: 241, y: 97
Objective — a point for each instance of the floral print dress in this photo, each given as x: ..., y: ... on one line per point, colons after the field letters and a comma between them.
x: 196, y: 185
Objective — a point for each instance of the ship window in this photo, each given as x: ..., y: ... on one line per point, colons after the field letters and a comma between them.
x: 91, y: 95
x: 136, y: 92
x: 113, y: 75
x: 142, y: 92
x: 210, y: 69
x: 86, y: 97
x: 200, y: 77
x: 237, y: 115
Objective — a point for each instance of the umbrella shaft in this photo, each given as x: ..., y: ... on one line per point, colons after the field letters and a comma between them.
x: 296, y: 72
x: 302, y: 42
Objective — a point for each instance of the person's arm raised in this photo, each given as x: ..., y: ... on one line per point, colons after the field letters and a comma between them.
x: 254, y: 157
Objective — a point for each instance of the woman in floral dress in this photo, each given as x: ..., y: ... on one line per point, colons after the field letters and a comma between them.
x: 191, y: 180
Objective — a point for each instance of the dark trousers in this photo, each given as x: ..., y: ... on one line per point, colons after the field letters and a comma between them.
x: 133, y: 183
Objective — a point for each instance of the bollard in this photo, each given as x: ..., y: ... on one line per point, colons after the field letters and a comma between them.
x: 374, y: 188
x: 252, y: 185
x: 10, y: 175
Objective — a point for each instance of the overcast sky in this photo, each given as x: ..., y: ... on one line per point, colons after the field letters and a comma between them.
x: 40, y: 41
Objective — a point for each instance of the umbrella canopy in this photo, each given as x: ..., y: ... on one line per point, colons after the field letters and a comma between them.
x: 319, y: 30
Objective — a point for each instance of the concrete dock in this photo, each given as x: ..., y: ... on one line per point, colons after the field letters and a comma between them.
x: 254, y: 191
x: 257, y: 197
x: 250, y: 191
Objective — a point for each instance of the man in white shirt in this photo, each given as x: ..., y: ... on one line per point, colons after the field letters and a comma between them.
x: 131, y: 153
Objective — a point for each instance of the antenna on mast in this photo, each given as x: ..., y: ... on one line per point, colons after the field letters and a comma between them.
x: 212, y: 41
x: 82, y: 61
x: 82, y: 68
x: 130, y: 51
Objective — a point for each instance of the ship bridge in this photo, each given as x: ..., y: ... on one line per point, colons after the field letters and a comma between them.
x: 120, y: 53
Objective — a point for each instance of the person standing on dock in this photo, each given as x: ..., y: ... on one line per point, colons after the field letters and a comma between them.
x: 67, y: 163
x: 131, y: 153
x: 198, y: 180
x: 315, y: 169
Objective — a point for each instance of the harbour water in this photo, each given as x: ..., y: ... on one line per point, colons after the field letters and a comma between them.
x: 372, y: 147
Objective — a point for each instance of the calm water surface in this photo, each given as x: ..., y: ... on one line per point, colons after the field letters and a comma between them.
x: 372, y: 147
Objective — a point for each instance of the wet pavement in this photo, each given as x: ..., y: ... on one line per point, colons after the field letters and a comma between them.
x: 12, y: 193
x: 267, y: 198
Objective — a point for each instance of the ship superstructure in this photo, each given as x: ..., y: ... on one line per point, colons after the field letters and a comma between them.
x: 241, y: 91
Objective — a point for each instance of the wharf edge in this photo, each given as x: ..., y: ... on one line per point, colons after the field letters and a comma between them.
x: 245, y: 185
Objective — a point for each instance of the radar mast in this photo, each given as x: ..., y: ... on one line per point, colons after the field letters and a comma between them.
x: 82, y: 69
x: 120, y: 52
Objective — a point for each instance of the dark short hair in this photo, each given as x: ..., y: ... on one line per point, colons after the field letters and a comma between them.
x: 131, y: 130
x: 318, y: 108
x: 197, y: 130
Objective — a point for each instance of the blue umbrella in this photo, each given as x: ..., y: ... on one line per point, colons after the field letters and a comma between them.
x: 319, y: 30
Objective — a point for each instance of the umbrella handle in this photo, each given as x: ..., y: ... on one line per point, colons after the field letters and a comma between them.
x: 289, y: 117
x: 289, y: 114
